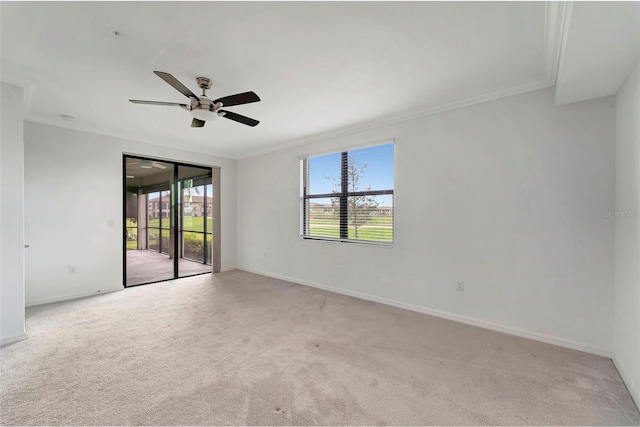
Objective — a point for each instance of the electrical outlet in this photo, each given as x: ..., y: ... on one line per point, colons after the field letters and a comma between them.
x: 72, y: 269
x: 460, y: 287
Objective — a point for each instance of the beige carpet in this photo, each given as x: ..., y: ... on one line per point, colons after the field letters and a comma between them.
x: 240, y: 348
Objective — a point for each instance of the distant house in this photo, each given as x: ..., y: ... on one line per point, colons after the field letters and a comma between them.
x: 328, y: 208
x: 193, y: 206
x: 153, y: 206
x: 321, y: 208
x: 383, y: 210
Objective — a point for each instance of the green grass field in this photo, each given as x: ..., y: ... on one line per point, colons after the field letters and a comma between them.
x: 321, y: 224
x: 190, y: 224
x: 383, y: 220
x: 377, y: 228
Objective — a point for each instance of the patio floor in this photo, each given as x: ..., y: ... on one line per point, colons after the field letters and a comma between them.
x: 144, y: 266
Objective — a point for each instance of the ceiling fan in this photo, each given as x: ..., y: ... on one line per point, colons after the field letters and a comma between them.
x: 203, y: 108
x: 147, y: 164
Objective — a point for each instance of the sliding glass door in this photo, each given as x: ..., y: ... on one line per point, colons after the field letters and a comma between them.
x: 169, y: 217
x: 195, y: 219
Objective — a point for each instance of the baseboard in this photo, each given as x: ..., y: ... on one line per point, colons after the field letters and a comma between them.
x: 225, y: 269
x: 12, y: 339
x: 446, y: 315
x: 70, y: 297
x: 632, y: 386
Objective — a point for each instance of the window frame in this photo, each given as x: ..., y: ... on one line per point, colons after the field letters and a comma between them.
x: 343, y: 196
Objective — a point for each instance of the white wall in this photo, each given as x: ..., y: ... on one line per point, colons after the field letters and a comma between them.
x: 626, y: 326
x: 12, y: 323
x: 73, y: 186
x: 508, y: 196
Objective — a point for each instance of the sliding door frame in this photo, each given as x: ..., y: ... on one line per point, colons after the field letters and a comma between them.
x: 176, y: 207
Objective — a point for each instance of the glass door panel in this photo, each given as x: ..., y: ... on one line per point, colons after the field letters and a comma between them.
x: 195, y: 220
x: 148, y: 224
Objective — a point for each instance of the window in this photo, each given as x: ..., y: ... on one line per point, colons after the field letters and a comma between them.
x: 348, y: 196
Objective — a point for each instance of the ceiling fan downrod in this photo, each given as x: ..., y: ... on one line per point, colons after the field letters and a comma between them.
x: 204, y: 83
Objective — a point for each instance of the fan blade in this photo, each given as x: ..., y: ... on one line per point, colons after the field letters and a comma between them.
x: 137, y: 101
x: 197, y: 123
x: 176, y: 84
x: 238, y: 99
x: 239, y: 118
x: 158, y: 165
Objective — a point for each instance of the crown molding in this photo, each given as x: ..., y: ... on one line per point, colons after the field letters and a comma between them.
x: 557, y: 16
x: 453, y: 104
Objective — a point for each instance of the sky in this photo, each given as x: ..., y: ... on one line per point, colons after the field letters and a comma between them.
x: 378, y: 174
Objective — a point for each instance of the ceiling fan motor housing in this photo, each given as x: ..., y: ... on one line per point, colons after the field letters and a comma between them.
x: 204, y: 109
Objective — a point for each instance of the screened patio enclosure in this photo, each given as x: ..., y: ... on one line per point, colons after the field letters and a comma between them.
x: 170, y: 220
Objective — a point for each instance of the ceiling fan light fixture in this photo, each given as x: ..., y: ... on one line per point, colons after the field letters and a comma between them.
x: 145, y: 164
x: 204, y: 114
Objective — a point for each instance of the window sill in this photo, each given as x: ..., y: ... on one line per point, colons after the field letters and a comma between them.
x: 348, y: 241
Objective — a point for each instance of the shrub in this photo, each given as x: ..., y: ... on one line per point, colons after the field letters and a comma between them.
x: 193, y: 247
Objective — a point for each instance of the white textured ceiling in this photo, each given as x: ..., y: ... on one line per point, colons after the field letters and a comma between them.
x: 319, y: 67
x: 600, y: 48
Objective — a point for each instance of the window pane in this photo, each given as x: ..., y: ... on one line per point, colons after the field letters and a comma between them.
x: 153, y: 221
x: 165, y: 240
x: 324, y: 174
x: 193, y: 208
x: 131, y: 234
x: 371, y: 218
x: 154, y: 241
x: 153, y: 209
x: 324, y: 218
x: 371, y: 168
x: 166, y: 211
x: 194, y: 246
x: 131, y: 223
